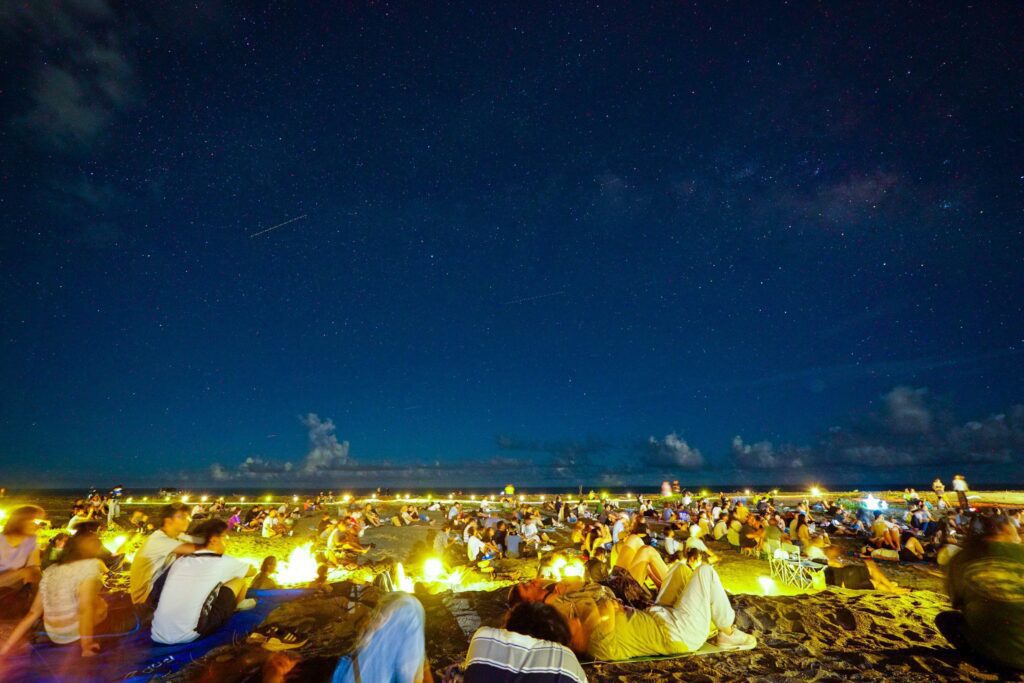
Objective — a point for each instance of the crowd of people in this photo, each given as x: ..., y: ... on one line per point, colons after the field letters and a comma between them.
x: 649, y: 585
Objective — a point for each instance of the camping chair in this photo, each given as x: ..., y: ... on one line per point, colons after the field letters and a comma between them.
x: 788, y: 567
x: 768, y: 549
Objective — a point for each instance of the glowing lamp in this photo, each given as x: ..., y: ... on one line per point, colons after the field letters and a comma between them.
x: 205, y: 498
x: 815, y: 491
x: 403, y: 582
x: 433, y: 569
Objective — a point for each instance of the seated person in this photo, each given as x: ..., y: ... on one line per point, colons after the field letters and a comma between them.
x: 139, y: 522
x: 501, y: 536
x: 513, y: 542
x: 392, y: 649
x: 272, y: 525
x: 597, y: 536
x: 159, y: 550
x: 805, y: 539
x: 202, y: 590
x: 640, y: 560
x: 19, y: 549
x: 732, y: 534
x: 751, y: 535
x: 720, y: 530
x: 443, y: 540
x: 79, y: 514
x: 371, y: 516
x: 885, y: 534
x: 672, y: 546
x: 985, y: 582
x: 694, y: 542
x: 490, y: 544
x: 51, y: 553
x: 911, y: 549
x: 264, y: 580
x: 69, y: 600
x: 342, y: 544
x: 476, y: 549
x: 596, y: 568
x: 603, y: 629
x: 235, y: 520
x: 320, y: 582
x: 532, y: 645
x: 532, y: 535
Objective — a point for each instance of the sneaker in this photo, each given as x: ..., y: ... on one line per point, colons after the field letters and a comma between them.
x: 735, y: 640
x: 547, y: 548
x: 246, y: 604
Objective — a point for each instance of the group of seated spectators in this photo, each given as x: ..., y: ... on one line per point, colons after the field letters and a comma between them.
x: 183, y: 587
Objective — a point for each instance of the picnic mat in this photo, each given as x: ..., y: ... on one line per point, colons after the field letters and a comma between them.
x: 708, y: 648
x: 134, y: 657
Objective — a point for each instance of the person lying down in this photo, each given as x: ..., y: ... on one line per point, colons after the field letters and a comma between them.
x: 692, y: 601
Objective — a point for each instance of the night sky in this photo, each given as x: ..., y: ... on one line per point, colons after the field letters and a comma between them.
x: 554, y: 244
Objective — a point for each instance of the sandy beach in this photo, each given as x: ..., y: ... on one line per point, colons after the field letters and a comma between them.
x: 831, y: 635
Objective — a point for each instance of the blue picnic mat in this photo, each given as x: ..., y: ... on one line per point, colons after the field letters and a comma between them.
x: 134, y: 657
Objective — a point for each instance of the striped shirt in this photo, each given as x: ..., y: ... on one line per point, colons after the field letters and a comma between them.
x: 500, y: 656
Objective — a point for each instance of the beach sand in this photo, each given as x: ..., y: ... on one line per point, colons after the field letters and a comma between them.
x: 832, y: 635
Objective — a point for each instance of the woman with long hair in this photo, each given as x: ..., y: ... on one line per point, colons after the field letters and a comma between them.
x: 19, y: 550
x: 69, y: 600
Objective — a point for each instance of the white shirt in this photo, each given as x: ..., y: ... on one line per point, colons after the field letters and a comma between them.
x: 959, y: 484
x: 151, y: 560
x: 59, y: 592
x: 189, y: 582
x: 268, y: 526
x: 452, y: 512
x: 474, y: 548
x: 671, y: 545
x: 617, y: 529
x: 694, y: 542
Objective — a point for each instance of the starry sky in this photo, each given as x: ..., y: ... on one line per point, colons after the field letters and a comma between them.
x: 439, y: 244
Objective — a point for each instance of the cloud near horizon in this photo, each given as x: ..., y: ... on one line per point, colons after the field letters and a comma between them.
x: 763, y: 455
x: 671, y: 451
x: 325, y: 454
x: 910, y: 428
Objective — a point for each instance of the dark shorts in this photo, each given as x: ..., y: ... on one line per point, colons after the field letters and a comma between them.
x: 217, y: 609
x: 855, y: 576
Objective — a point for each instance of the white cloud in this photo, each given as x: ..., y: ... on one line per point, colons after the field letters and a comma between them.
x: 672, y: 451
x: 763, y: 455
x: 325, y: 453
x: 906, y: 412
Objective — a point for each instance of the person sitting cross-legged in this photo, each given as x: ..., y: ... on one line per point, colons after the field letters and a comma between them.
x: 202, y: 590
x: 532, y: 646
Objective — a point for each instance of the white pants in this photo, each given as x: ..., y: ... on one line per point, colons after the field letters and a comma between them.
x: 702, y: 603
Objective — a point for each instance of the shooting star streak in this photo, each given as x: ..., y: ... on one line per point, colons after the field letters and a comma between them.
x: 533, y: 298
x: 279, y: 225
